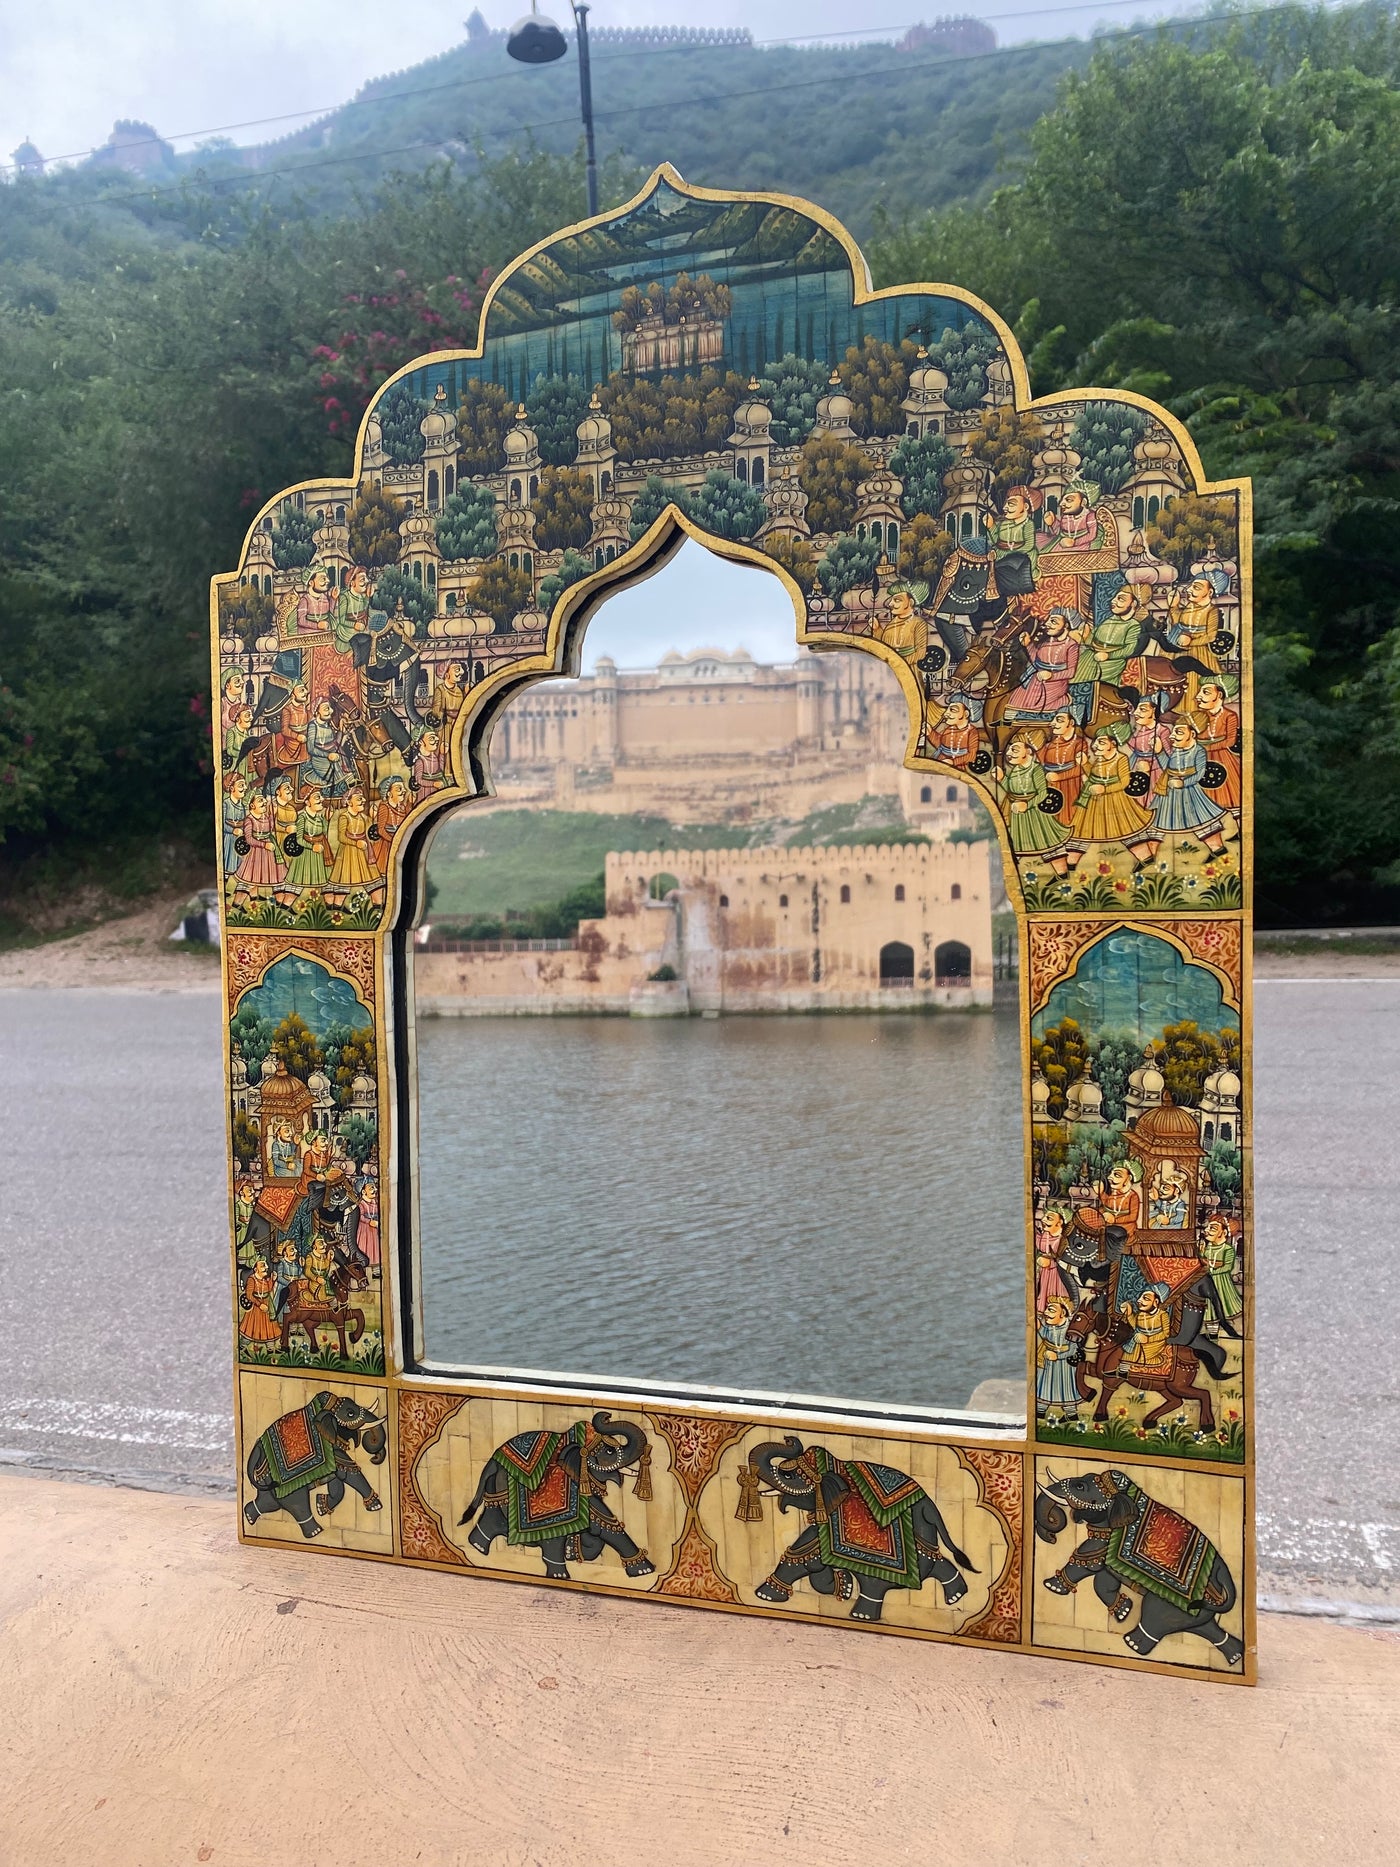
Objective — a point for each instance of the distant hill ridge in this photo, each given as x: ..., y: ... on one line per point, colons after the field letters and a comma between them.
x: 938, y: 115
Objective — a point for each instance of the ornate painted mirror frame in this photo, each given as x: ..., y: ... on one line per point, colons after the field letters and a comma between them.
x: 1065, y: 601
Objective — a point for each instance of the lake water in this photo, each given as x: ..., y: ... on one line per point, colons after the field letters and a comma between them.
x: 819, y: 1205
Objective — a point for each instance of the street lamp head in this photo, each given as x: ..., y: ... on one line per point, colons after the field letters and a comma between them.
x: 536, y: 40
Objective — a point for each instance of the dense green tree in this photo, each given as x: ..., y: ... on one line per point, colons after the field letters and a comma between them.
x: 466, y: 526
x: 251, y: 1036
x: 502, y: 593
x: 556, y: 405
x: 849, y: 563
x: 293, y: 537
x: 652, y: 501
x: 1061, y: 1052
x: 564, y: 509
x: 572, y: 569
x: 1225, y: 1166
x: 1116, y: 1056
x: 400, y: 412
x: 360, y: 1133
x: 1104, y: 436
x: 1094, y: 1151
x: 374, y: 520
x: 963, y: 356
x: 830, y: 473
x: 394, y: 585
x: 792, y: 387
x: 921, y: 464
x: 728, y: 507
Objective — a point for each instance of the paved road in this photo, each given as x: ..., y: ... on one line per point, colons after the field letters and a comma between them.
x: 114, y: 1279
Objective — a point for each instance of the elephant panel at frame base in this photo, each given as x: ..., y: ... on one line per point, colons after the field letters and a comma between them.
x: 334, y: 1433
x: 512, y: 1469
x: 1106, y: 1532
x: 883, y: 1501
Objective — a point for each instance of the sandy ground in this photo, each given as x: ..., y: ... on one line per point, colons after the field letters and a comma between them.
x: 180, y: 1697
x: 134, y: 953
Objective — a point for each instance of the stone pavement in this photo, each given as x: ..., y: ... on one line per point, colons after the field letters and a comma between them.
x: 177, y: 1698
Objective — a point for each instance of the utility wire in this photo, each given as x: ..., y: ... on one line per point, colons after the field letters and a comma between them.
x: 605, y: 57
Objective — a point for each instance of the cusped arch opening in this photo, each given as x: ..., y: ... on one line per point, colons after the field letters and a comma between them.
x: 635, y: 1090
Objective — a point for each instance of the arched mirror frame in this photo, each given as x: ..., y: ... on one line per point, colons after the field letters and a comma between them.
x: 400, y: 1447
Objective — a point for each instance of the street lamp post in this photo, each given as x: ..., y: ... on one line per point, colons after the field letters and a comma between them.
x: 536, y: 40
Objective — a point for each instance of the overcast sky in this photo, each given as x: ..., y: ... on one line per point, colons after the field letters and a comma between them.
x: 697, y: 601
x: 190, y: 67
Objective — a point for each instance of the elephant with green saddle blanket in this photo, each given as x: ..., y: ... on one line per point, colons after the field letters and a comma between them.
x: 1136, y: 1544
x: 871, y: 1528
x: 546, y: 1489
x: 314, y: 1445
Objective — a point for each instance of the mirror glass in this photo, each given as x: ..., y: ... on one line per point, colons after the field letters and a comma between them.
x: 716, y: 1034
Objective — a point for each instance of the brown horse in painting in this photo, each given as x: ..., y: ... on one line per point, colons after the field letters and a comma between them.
x: 1002, y: 665
x: 302, y: 1311
x: 1177, y: 1383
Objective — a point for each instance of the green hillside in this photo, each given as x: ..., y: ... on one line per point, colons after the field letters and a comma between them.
x: 849, y: 126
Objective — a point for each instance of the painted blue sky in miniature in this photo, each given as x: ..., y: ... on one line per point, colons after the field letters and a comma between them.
x: 1136, y: 983
x: 315, y: 995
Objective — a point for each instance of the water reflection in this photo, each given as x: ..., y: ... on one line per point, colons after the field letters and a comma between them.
x: 828, y: 1205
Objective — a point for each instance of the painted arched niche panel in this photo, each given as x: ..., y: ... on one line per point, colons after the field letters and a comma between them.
x: 1064, y: 599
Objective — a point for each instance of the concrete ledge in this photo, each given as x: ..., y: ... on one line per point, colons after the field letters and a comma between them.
x: 178, y: 1698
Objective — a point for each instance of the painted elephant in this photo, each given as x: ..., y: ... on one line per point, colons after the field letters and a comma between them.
x: 871, y: 1528
x: 314, y: 1446
x: 546, y: 1490
x: 1136, y: 1543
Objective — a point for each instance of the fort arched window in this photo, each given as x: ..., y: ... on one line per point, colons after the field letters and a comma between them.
x: 845, y: 892
x: 449, y: 481
x: 899, y: 891
x: 925, y: 793
x: 758, y: 473
x: 432, y: 489
x: 952, y: 963
x: 782, y: 901
x: 741, y: 468
x: 951, y: 794
x: 896, y: 963
x: 955, y: 892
